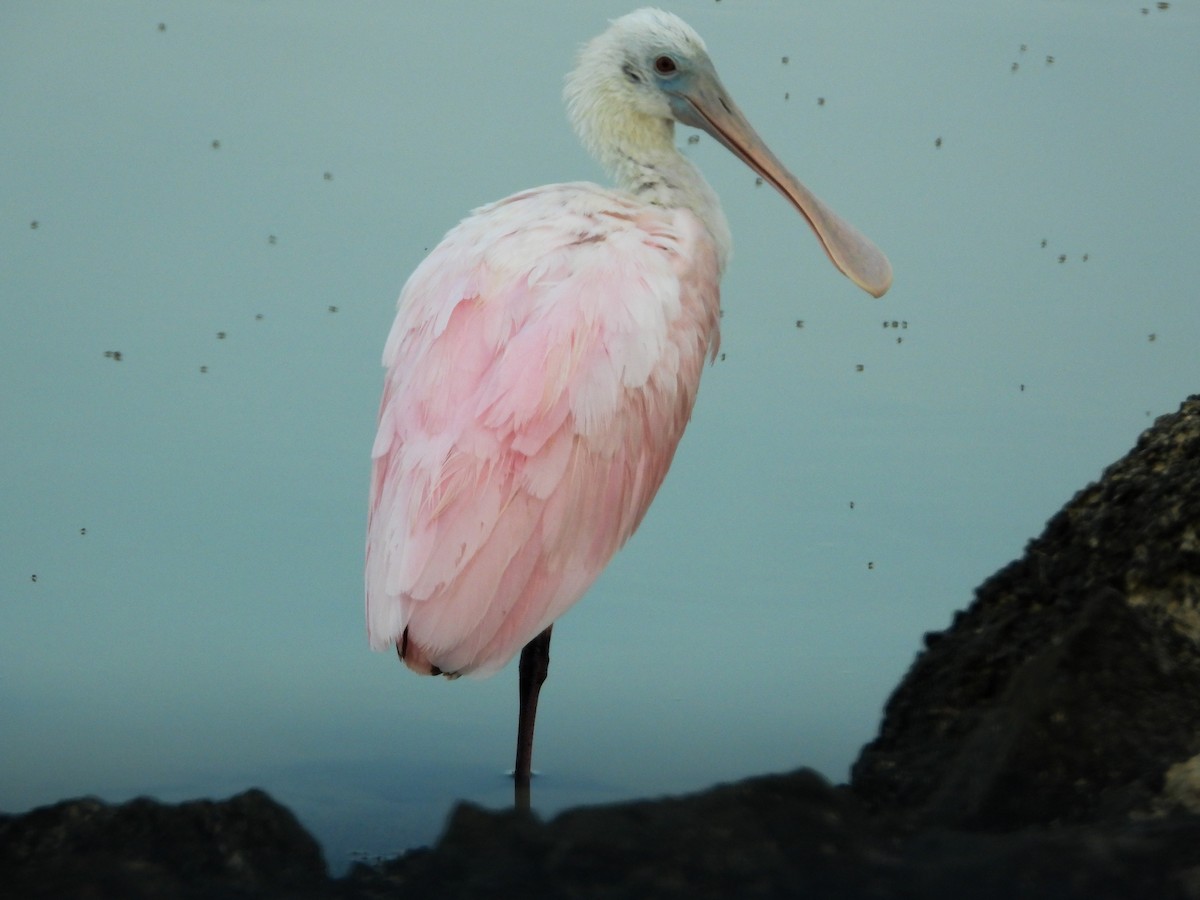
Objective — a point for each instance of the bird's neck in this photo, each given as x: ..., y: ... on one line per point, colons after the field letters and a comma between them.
x: 641, y: 157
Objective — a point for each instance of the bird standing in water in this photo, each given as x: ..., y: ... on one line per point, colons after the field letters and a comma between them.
x: 544, y: 361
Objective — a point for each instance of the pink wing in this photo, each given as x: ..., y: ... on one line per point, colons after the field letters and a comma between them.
x: 540, y: 371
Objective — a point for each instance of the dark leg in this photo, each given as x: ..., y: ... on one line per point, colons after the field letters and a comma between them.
x: 535, y: 662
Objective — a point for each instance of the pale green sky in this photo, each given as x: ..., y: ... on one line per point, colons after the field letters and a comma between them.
x: 206, y: 632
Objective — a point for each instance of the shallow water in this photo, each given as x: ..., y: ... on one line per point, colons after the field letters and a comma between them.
x: 232, y: 202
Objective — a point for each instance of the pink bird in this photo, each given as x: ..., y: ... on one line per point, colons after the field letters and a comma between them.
x: 543, y: 365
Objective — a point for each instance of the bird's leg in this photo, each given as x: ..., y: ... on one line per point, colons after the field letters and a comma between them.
x: 535, y: 663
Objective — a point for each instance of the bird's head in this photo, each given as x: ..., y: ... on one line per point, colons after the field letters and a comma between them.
x: 649, y: 70
x: 638, y: 68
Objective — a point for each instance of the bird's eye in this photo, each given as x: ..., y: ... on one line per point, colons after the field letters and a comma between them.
x: 664, y: 65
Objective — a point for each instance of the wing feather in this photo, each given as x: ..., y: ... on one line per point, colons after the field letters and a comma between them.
x: 540, y: 371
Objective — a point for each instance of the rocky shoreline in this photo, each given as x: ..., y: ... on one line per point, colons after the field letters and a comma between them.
x: 1047, y: 744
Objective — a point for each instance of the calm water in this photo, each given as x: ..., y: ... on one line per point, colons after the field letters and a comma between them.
x: 226, y: 205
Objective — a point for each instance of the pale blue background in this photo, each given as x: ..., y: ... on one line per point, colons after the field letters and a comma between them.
x: 206, y: 633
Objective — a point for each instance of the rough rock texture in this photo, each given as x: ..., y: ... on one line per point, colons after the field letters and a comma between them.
x: 1047, y: 745
x: 775, y: 836
x: 246, y: 846
x: 1071, y: 685
x: 782, y: 836
x: 786, y: 834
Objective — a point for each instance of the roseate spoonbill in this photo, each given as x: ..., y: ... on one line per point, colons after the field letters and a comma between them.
x: 544, y: 361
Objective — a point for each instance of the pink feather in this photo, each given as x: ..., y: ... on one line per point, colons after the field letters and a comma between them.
x: 540, y: 372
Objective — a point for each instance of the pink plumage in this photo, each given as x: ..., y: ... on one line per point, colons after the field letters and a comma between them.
x: 541, y: 369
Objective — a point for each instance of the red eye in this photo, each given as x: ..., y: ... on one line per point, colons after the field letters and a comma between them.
x: 664, y: 65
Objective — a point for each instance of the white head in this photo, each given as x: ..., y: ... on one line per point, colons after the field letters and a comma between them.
x: 615, y: 78
x: 650, y: 70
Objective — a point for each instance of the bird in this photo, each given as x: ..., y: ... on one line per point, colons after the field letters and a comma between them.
x: 543, y: 364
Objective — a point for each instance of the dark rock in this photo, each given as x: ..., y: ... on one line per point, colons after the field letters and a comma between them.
x: 246, y: 846
x: 782, y: 836
x: 1072, y: 683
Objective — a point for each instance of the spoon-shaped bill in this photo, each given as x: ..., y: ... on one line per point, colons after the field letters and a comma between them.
x: 704, y: 103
